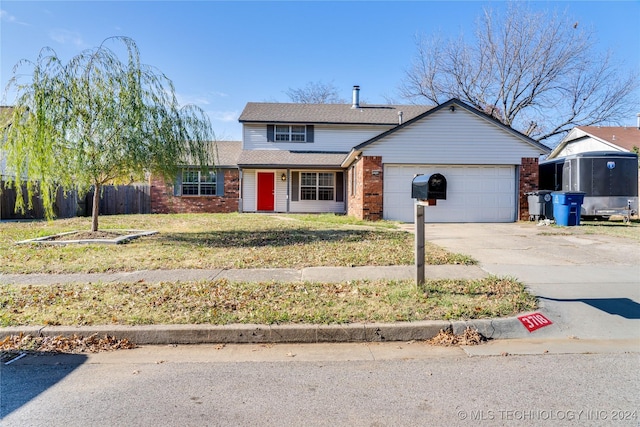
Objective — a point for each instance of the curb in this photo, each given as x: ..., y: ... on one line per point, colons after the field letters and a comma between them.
x: 274, y: 334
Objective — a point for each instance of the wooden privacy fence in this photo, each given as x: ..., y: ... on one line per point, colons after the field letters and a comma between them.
x: 115, y: 200
x: 122, y: 200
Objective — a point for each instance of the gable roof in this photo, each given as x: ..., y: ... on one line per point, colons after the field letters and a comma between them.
x: 259, y: 112
x: 618, y: 137
x: 452, y: 103
x: 624, y: 137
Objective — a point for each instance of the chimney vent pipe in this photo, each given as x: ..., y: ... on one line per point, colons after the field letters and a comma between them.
x: 356, y: 97
x: 399, y: 117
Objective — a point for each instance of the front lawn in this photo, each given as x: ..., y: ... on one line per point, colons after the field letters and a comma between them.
x: 212, y: 241
x: 221, y: 302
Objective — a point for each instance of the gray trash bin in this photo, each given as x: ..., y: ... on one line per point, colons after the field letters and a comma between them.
x: 540, y: 205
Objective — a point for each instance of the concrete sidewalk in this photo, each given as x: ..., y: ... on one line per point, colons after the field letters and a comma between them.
x: 310, y: 274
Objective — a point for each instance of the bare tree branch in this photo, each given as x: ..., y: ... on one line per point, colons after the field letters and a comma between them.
x: 315, y: 93
x: 537, y: 72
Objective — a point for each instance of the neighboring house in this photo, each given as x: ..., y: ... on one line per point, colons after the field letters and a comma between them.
x: 583, y: 139
x: 361, y: 159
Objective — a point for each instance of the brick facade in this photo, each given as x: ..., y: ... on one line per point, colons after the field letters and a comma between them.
x: 528, y: 182
x: 364, y: 187
x: 163, y: 200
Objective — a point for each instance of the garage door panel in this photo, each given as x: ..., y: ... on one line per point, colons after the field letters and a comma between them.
x: 474, y: 193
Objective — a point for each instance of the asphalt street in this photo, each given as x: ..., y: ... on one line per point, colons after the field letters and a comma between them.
x: 367, y: 384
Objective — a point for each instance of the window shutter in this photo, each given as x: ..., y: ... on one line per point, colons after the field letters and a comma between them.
x: 271, y: 133
x: 339, y: 187
x: 220, y: 182
x: 310, y: 133
x: 177, y: 184
x: 295, y: 186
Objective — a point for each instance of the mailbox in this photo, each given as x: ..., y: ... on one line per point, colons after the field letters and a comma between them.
x: 432, y: 188
x: 437, y: 187
x: 419, y: 187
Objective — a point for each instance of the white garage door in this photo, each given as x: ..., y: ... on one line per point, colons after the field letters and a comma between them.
x: 474, y: 193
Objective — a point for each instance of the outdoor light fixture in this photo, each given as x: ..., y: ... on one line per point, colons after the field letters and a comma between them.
x: 283, y: 177
x: 452, y: 108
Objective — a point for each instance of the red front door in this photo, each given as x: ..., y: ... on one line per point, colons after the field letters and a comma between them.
x: 265, y: 191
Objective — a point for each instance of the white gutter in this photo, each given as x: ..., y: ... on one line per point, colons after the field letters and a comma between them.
x: 352, y: 157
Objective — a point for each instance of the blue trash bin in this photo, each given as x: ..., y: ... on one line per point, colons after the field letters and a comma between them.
x: 567, y: 206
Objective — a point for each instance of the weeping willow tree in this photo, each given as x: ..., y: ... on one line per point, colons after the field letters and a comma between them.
x: 94, y: 120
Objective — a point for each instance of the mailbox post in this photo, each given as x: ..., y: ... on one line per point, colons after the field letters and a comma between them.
x: 426, y: 191
x: 419, y: 243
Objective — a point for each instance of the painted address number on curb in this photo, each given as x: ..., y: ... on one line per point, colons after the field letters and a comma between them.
x: 534, y: 321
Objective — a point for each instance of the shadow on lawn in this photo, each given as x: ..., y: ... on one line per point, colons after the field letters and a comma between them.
x: 243, y: 238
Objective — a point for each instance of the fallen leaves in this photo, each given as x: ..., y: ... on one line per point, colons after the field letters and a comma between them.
x: 61, y: 344
x: 447, y: 338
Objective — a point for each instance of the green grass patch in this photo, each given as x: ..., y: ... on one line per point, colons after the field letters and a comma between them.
x: 630, y: 230
x: 221, y: 302
x: 212, y: 241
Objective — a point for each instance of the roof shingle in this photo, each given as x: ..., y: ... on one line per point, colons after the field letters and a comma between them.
x: 223, y: 153
x: 282, y: 158
x: 625, y: 137
x: 258, y: 112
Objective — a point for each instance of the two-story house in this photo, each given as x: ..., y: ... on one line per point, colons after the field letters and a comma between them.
x: 361, y: 159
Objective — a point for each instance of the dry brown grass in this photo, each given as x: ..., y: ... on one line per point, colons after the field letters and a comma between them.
x: 222, y: 302
x: 211, y: 241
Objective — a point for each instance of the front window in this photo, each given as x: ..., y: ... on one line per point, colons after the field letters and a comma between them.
x: 294, y: 133
x: 317, y: 185
x: 198, y: 183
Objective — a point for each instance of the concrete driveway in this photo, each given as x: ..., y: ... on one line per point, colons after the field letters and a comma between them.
x: 588, y: 285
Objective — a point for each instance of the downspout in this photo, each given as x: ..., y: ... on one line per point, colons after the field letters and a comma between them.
x: 288, y: 187
x: 518, y: 188
x: 240, y: 185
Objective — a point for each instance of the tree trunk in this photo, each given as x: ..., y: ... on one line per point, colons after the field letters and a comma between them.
x: 95, y: 211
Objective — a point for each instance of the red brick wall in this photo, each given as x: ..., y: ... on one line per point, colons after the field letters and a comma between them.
x: 366, y: 202
x: 528, y: 182
x: 372, y: 188
x: 163, y: 200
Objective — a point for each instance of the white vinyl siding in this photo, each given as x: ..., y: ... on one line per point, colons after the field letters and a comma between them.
x: 315, y: 206
x: 328, y: 138
x: 585, y: 145
x: 249, y: 187
x: 475, y: 193
x: 446, y: 137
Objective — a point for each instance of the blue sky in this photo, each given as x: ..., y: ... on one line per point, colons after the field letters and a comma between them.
x: 221, y: 55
